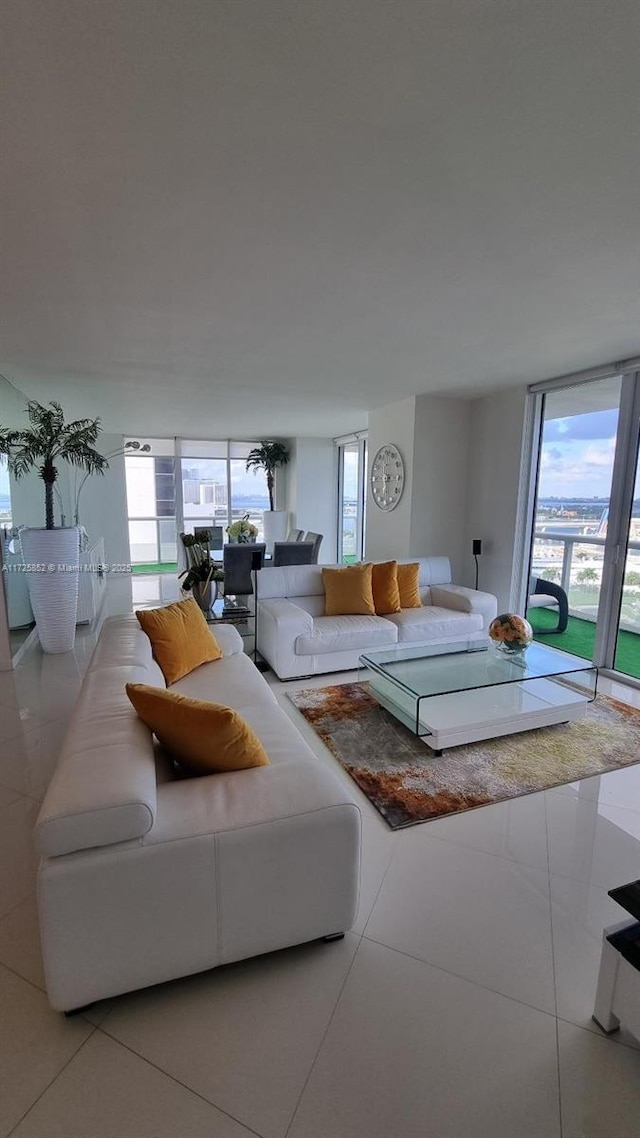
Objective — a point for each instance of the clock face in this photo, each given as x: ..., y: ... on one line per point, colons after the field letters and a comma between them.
x: 387, y: 477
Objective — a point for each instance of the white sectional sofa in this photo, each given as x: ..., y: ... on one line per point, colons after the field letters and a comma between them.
x: 144, y: 876
x: 297, y: 639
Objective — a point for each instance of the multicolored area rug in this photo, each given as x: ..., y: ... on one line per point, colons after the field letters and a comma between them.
x: 407, y: 783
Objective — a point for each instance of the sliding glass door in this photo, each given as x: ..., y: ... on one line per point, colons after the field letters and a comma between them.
x: 579, y: 427
x: 586, y: 530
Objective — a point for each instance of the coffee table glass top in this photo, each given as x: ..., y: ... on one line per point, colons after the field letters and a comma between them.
x: 440, y: 669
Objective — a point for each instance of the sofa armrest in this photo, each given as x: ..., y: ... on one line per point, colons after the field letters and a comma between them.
x: 228, y: 638
x: 280, y: 623
x: 227, y: 803
x: 466, y: 600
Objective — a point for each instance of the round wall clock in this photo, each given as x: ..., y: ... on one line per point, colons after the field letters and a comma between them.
x: 387, y: 477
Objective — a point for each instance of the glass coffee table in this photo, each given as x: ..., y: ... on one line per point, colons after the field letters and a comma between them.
x: 461, y: 692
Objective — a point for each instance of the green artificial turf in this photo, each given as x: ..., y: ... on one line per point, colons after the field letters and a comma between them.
x: 579, y: 639
x: 155, y: 567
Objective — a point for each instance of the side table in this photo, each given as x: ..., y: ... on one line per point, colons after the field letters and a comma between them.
x: 244, y: 619
x: 239, y: 615
x: 618, y: 991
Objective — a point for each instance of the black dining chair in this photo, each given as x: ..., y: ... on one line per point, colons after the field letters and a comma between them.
x: 237, y: 561
x: 215, y: 537
x: 292, y: 553
x: 316, y: 540
x: 294, y: 535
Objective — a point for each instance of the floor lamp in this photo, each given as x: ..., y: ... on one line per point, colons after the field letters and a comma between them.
x: 257, y: 561
x: 477, y: 552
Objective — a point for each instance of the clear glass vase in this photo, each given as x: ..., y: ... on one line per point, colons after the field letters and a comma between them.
x: 205, y: 594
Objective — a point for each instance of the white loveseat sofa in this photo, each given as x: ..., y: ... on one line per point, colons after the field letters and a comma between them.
x: 297, y: 639
x: 145, y: 877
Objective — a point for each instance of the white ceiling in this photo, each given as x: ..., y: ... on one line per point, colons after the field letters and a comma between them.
x: 268, y: 216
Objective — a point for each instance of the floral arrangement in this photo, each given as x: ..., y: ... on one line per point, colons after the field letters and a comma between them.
x: 201, y: 568
x: 510, y: 632
x: 243, y: 530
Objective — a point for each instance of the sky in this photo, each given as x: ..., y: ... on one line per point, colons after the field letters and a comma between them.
x: 577, y: 455
x: 350, y: 474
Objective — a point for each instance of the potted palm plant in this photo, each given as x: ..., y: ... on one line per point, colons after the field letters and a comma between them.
x: 51, y: 555
x: 268, y: 456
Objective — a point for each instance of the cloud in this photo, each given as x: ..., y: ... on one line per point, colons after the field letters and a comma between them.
x: 577, y: 469
x: 594, y: 425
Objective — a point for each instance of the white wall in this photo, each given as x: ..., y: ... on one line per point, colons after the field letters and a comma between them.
x: 440, y: 479
x: 495, y: 450
x: 463, y: 462
x: 103, y: 504
x: 389, y: 532
x: 312, y: 491
x: 432, y: 435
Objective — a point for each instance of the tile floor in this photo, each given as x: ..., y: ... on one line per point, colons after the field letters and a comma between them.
x: 459, y: 1004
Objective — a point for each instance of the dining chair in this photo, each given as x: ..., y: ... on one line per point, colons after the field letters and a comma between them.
x: 237, y: 560
x: 316, y: 540
x: 292, y: 553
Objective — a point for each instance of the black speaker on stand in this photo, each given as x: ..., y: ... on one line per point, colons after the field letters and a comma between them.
x: 477, y: 552
x: 257, y: 561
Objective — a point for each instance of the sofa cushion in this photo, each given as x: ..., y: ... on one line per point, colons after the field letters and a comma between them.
x: 344, y: 633
x: 234, y: 684
x: 180, y: 638
x: 384, y: 581
x: 205, y: 738
x: 434, y: 623
x: 348, y: 590
x: 409, y: 585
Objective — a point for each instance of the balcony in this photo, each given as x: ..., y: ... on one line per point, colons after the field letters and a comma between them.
x: 574, y: 560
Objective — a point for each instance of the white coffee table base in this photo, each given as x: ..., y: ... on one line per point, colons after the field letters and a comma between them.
x: 482, y: 713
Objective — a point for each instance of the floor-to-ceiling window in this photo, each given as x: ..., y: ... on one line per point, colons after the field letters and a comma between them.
x: 151, y: 505
x: 352, y: 465
x: 217, y: 488
x: 586, y: 532
x: 175, y: 485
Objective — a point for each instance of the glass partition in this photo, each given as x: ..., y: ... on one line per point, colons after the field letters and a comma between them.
x: 18, y: 609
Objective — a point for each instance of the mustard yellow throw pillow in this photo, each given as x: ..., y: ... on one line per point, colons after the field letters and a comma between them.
x: 180, y: 638
x: 348, y: 591
x: 205, y: 738
x: 386, y: 594
x: 409, y: 585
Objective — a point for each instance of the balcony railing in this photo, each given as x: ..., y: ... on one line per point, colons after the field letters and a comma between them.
x: 579, y: 558
x: 153, y: 540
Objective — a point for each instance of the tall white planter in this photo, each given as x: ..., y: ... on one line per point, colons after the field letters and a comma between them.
x: 274, y: 523
x: 51, y: 558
